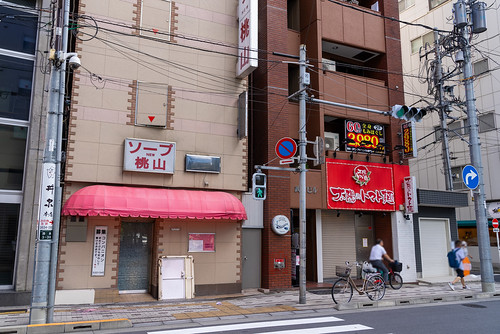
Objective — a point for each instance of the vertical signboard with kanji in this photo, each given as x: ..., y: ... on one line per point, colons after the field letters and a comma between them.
x: 247, y: 38
x: 409, y: 140
x: 99, y: 258
x: 46, y: 211
x: 410, y: 188
x: 149, y: 156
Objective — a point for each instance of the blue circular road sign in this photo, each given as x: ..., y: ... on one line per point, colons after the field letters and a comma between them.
x: 286, y: 148
x: 470, y: 176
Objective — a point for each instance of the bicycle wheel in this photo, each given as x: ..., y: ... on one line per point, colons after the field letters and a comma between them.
x: 396, y: 281
x: 375, y: 288
x: 341, y: 291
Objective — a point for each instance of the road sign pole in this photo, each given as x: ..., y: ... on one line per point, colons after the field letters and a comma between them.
x: 303, y: 160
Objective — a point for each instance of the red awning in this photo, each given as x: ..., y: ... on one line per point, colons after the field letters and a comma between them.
x: 100, y: 200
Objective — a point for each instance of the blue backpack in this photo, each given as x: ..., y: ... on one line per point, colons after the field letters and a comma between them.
x: 452, y: 259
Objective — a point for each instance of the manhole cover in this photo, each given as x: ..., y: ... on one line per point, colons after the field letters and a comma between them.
x: 320, y: 292
x: 474, y: 305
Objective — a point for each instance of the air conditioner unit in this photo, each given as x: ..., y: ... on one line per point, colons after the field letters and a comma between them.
x: 332, y: 141
x: 328, y: 65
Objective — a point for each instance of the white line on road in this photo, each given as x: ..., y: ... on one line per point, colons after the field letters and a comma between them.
x: 323, y: 330
x: 224, y: 328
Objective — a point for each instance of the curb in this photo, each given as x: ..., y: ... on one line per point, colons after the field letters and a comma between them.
x: 415, y: 301
x: 67, y: 327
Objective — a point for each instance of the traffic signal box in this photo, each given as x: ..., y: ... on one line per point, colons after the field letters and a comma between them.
x: 259, y: 186
x: 408, y: 113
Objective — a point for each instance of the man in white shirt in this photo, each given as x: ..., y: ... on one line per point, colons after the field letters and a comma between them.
x: 377, y: 253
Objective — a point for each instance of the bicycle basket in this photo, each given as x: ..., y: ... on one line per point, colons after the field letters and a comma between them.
x: 397, y: 266
x: 342, y: 271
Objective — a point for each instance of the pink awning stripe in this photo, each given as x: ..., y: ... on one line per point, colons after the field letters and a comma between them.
x: 100, y: 200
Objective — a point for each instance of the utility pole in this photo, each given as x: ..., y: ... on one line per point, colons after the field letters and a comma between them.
x: 302, y: 163
x: 487, y: 278
x: 442, y: 114
x: 44, y: 277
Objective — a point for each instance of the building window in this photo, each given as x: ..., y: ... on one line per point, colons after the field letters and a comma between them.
x: 156, y: 19
x: 456, y: 176
x: 487, y: 122
x: 15, y: 87
x: 480, y: 67
x: 293, y: 79
x: 151, y: 104
x: 455, y: 129
x: 421, y: 41
x: 435, y: 3
x: 13, y: 139
x: 405, y: 4
x: 293, y: 15
x: 9, y: 220
x: 18, y: 30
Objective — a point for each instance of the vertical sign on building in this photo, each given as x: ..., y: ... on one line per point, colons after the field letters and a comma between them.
x: 409, y: 140
x: 99, y: 258
x: 410, y: 187
x: 46, y: 211
x: 247, y: 38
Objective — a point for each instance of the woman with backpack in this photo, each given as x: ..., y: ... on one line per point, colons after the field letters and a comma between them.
x: 457, y: 264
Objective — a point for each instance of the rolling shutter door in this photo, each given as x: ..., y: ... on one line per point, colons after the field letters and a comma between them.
x: 339, y: 244
x: 434, y: 236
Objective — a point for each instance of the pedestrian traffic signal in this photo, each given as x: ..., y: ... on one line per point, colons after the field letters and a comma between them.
x: 259, y: 186
x: 408, y: 113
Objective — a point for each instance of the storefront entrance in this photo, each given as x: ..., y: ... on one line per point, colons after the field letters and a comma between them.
x: 134, y: 267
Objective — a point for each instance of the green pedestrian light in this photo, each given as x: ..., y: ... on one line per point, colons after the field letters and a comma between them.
x: 259, y: 186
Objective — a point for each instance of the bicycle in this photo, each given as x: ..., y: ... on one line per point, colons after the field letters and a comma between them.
x: 395, y: 279
x: 342, y: 290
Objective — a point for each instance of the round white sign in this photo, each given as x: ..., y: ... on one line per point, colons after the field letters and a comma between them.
x: 280, y: 225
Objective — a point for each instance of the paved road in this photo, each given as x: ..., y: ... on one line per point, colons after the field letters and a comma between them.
x: 459, y: 317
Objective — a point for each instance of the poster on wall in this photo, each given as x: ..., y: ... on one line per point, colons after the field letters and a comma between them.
x: 201, y: 242
x: 99, y: 257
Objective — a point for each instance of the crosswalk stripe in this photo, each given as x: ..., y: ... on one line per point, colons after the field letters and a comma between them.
x: 323, y: 330
x: 224, y: 328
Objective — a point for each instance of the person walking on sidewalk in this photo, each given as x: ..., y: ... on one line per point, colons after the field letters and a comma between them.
x: 460, y: 256
x: 377, y: 253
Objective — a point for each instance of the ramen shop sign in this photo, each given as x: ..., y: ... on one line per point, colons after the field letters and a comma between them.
x: 356, y: 185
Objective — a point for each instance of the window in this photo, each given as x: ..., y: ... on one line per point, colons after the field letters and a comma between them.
x: 18, y: 30
x: 405, y: 4
x: 435, y: 3
x: 15, y: 87
x: 13, y: 139
x: 9, y: 220
x: 293, y: 79
x: 480, y: 67
x: 293, y: 15
x: 421, y: 41
x: 487, y: 122
x: 155, y: 19
x: 456, y: 176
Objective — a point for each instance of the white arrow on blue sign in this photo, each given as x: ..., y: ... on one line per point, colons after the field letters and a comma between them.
x: 470, y: 176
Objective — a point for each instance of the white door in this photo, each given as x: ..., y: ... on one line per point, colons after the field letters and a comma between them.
x: 434, y: 238
x: 173, y: 278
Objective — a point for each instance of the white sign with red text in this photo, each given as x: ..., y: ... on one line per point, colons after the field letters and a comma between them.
x: 247, y: 38
x: 410, y: 187
x: 151, y: 156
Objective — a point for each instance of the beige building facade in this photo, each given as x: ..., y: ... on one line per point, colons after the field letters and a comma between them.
x: 155, y: 168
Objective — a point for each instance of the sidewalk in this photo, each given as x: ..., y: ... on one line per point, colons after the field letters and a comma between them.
x: 248, y: 305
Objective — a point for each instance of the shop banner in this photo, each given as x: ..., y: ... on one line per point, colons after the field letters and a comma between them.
x: 410, y: 187
x: 356, y: 185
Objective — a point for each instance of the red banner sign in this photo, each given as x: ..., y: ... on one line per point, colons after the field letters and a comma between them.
x: 356, y: 185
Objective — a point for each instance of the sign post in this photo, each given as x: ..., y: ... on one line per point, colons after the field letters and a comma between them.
x: 496, y: 230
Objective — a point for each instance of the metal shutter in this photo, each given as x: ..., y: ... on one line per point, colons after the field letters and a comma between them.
x: 339, y: 244
x: 434, y: 237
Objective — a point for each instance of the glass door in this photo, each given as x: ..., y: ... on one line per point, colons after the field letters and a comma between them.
x: 134, y: 266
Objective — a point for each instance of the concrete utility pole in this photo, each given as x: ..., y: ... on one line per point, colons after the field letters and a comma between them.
x: 44, y: 277
x: 487, y: 278
x: 303, y: 159
x: 442, y: 114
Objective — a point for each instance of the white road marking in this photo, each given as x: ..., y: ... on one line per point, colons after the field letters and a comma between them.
x: 324, y: 330
x: 266, y: 324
